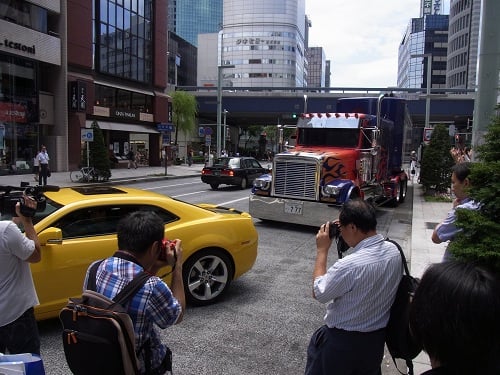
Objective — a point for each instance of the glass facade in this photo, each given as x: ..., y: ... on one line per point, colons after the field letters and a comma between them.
x: 264, y: 41
x: 123, y: 42
x: 427, y: 35
x: 193, y: 17
x: 18, y: 114
x: 24, y: 14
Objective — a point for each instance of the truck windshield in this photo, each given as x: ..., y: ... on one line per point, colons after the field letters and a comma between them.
x: 328, y: 137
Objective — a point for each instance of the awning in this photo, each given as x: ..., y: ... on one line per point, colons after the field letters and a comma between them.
x: 132, y: 128
x: 118, y: 86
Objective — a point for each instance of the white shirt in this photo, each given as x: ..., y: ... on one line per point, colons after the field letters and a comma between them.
x: 17, y: 291
x: 360, y: 288
x: 43, y: 157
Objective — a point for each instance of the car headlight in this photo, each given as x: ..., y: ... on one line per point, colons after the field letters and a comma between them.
x: 262, y: 184
x: 331, y: 190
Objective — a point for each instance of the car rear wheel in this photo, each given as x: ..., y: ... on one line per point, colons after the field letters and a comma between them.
x: 214, y: 186
x: 243, y: 183
x: 207, y: 275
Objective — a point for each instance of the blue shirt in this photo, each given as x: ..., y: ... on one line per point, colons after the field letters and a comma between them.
x: 447, y: 230
x: 153, y: 306
x: 360, y: 288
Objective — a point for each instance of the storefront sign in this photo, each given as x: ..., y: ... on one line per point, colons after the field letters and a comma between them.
x: 77, y: 96
x: 18, y: 46
x: 12, y: 112
x: 125, y: 114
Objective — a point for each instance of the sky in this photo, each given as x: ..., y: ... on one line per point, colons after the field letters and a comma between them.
x: 361, y: 38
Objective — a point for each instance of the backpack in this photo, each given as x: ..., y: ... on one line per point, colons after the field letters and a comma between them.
x: 98, y: 334
x: 399, y: 340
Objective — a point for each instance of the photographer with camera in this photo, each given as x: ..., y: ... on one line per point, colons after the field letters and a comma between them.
x: 18, y: 328
x: 358, y: 291
x: 142, y: 248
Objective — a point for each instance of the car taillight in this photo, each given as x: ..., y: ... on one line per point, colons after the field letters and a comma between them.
x: 227, y: 172
x: 206, y: 171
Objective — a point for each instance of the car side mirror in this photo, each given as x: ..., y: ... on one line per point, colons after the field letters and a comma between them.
x: 51, y: 235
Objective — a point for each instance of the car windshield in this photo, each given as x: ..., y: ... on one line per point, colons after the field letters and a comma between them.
x: 227, y: 162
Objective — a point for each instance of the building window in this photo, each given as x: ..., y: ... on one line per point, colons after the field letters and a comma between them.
x: 124, y: 39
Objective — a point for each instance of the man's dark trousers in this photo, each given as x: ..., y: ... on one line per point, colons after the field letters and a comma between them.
x: 338, y: 352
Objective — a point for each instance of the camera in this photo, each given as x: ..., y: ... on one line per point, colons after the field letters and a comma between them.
x: 165, y: 245
x: 334, y: 231
x: 11, y: 195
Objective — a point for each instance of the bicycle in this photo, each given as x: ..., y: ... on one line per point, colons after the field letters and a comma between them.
x: 84, y: 174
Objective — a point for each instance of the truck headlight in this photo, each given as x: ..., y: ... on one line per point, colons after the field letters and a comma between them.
x: 331, y: 190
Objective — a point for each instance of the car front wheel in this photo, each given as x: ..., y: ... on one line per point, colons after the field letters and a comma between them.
x: 207, y: 275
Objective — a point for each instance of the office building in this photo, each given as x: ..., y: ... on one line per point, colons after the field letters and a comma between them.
x: 316, y: 68
x: 463, y: 43
x: 265, y: 42
x: 428, y: 36
x: 188, y: 18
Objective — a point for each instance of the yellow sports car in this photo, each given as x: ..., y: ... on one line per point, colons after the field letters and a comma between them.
x: 78, y: 226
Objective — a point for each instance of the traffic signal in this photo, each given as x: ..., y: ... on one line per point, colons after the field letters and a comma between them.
x: 294, y: 115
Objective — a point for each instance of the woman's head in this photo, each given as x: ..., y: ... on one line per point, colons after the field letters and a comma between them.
x: 455, y: 315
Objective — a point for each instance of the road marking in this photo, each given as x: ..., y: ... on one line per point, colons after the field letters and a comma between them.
x: 229, y: 202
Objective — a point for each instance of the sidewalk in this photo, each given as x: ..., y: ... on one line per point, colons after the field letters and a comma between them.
x: 426, y: 215
x: 118, y: 176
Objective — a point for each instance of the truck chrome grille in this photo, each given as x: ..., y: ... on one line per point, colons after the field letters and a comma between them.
x: 295, y: 179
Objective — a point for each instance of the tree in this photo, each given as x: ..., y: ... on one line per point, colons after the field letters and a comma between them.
x: 437, y: 162
x: 185, y: 109
x: 98, y: 153
x: 479, y: 239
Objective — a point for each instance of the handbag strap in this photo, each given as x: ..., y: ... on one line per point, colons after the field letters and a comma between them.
x: 403, y: 258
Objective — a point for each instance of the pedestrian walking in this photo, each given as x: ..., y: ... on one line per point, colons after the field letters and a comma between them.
x: 36, y: 167
x: 131, y: 160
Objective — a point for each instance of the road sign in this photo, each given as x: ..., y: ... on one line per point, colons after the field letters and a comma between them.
x: 87, y: 135
x: 208, y: 130
x: 208, y: 140
x: 166, y: 127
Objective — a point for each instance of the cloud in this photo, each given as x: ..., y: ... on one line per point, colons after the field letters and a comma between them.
x: 360, y: 38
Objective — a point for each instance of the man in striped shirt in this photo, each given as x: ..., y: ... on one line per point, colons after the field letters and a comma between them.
x: 358, y: 291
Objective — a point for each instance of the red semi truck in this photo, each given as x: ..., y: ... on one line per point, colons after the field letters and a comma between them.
x: 356, y: 152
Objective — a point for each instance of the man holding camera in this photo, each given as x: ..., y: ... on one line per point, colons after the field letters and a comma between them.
x: 358, y: 291
x: 142, y: 248
x: 18, y: 328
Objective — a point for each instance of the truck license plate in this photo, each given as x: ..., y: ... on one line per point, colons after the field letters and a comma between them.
x: 293, y: 208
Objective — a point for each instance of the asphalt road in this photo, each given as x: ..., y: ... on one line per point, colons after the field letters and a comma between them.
x: 264, y: 323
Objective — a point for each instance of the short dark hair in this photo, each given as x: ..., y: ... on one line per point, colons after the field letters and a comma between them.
x: 360, y: 213
x: 139, y: 230
x: 461, y: 170
x: 455, y: 316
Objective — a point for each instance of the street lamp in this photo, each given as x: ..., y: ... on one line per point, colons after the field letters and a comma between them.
x: 219, y: 104
x: 305, y: 103
x: 428, y: 91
